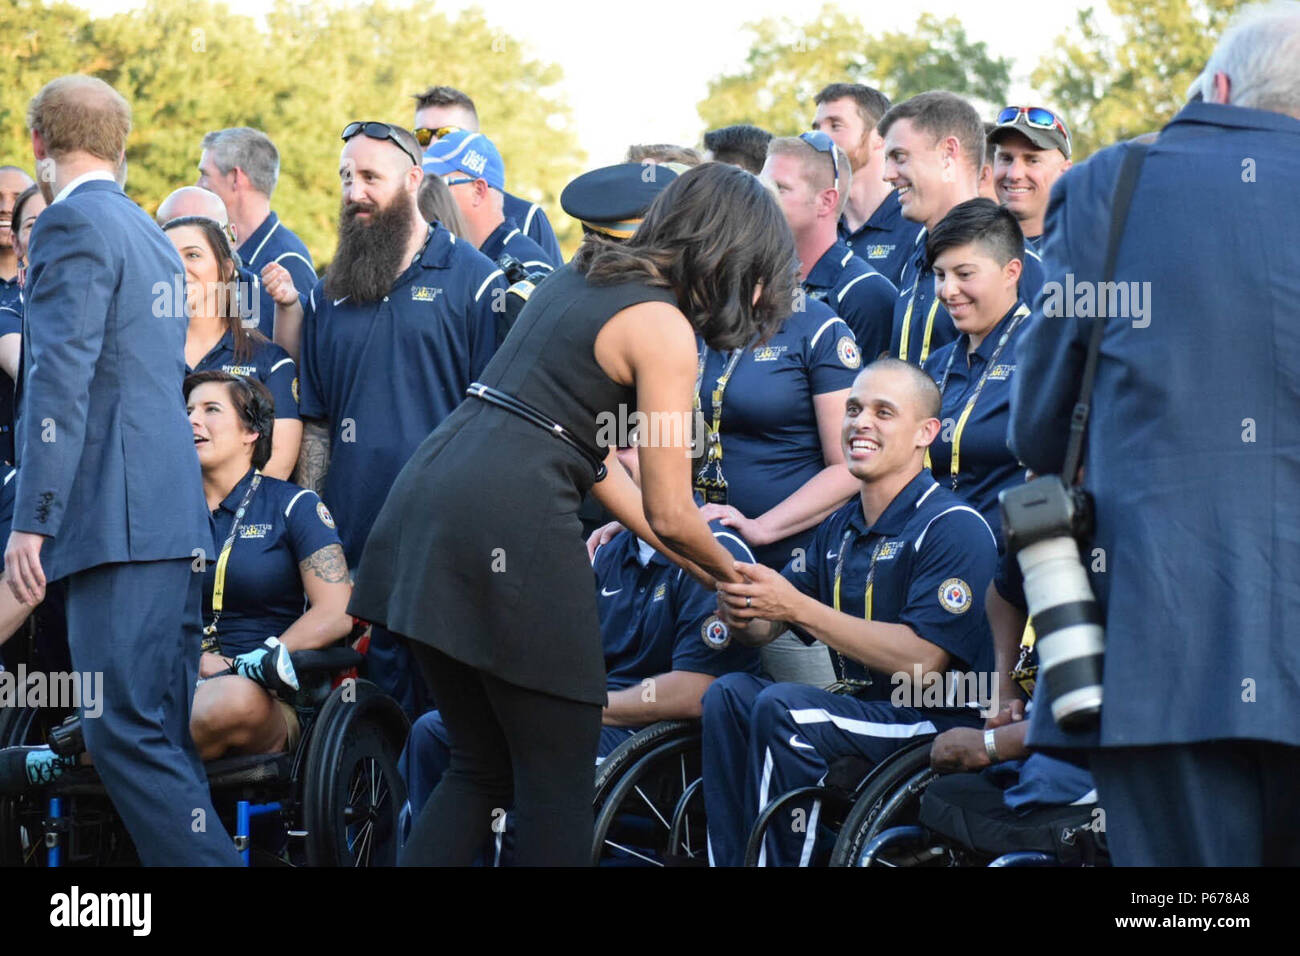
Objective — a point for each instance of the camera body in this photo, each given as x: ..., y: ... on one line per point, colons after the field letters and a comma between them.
x: 1043, y: 521
x: 522, y: 283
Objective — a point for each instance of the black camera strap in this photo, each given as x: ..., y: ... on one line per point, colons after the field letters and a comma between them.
x: 1128, y: 176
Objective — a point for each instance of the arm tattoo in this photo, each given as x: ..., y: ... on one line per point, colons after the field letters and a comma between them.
x: 328, y: 564
x: 314, y: 456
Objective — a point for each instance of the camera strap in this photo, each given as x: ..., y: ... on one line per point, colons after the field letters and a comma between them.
x: 1128, y: 176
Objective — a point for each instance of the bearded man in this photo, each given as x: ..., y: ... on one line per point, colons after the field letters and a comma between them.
x: 403, y: 322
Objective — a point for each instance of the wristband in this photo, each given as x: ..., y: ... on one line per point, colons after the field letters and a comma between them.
x: 991, y: 746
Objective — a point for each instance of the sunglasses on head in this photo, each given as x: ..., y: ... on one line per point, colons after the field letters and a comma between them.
x: 1035, y: 116
x: 823, y: 144
x: 377, y: 130
x: 424, y: 136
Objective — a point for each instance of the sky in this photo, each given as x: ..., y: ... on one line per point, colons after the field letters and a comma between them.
x: 613, y: 56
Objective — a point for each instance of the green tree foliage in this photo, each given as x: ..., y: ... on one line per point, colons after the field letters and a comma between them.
x: 788, y: 63
x: 190, y: 66
x: 1114, y: 88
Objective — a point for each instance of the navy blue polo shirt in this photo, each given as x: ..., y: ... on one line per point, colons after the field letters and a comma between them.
x: 269, y: 364
x: 10, y: 293
x: 986, y: 463
x: 509, y: 239
x: 770, y: 442
x: 656, y: 618
x: 273, y: 242
x: 918, y: 288
x: 11, y: 323
x: 532, y: 220
x: 284, y: 525
x: 1035, y: 243
x: 857, y: 293
x: 935, y: 562
x: 385, y: 374
x: 884, y: 240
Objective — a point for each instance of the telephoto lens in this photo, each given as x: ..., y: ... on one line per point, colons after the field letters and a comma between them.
x: 1041, y: 519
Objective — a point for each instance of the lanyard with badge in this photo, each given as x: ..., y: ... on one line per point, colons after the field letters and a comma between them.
x: 210, y: 642
x: 955, y: 465
x: 846, y: 684
x: 709, y: 481
x: 907, y: 326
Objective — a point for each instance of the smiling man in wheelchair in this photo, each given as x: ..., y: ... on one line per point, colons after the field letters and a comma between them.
x: 893, y: 583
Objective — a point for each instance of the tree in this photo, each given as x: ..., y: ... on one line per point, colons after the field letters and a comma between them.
x: 788, y: 63
x: 190, y: 66
x: 1114, y: 89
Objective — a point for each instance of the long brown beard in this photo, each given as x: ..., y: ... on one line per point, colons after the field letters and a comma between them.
x: 369, y: 255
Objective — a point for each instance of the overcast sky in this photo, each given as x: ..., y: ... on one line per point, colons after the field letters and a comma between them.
x: 663, y: 63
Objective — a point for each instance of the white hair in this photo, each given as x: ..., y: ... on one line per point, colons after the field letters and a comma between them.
x: 1260, y: 53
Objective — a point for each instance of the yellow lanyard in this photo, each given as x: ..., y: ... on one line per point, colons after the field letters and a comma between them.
x: 219, y: 585
x: 907, y: 327
x: 955, y: 464
x: 713, y: 441
x: 866, y: 598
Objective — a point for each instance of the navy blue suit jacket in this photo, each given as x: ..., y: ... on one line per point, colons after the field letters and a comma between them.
x: 1194, y: 444
x: 105, y: 454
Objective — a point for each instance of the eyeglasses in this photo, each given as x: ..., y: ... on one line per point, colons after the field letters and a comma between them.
x: 1035, y: 116
x: 823, y: 144
x: 380, y: 131
x: 458, y: 182
x: 424, y: 136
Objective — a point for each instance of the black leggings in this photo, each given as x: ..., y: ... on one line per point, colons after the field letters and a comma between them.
x: 510, y: 748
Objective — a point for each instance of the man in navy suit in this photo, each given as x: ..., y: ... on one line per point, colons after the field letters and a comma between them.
x: 109, y: 492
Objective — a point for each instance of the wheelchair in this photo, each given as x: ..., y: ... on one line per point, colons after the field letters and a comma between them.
x: 649, y: 803
x: 853, y: 803
x: 332, y: 801
x: 962, y: 821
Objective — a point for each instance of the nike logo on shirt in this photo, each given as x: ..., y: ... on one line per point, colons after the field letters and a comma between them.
x: 606, y: 593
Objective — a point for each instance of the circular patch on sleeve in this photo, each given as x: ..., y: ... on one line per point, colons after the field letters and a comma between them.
x: 848, y: 352
x: 323, y: 513
x: 954, y: 595
x: 293, y: 387
x: 715, y: 633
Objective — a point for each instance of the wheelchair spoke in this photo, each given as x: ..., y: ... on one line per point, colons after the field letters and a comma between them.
x: 653, y: 809
x: 631, y: 852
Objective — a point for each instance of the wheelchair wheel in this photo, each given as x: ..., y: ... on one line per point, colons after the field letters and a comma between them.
x: 890, y: 797
x: 642, y: 789
x: 352, y: 791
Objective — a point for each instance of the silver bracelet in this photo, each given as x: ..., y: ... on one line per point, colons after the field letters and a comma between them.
x: 991, y: 746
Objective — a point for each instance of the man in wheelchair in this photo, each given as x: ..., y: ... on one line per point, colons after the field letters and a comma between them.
x: 893, y: 583
x: 663, y: 640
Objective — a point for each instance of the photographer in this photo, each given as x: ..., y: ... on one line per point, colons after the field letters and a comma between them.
x: 1197, y: 516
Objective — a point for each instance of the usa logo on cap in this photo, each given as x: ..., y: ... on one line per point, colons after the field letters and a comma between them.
x: 954, y: 595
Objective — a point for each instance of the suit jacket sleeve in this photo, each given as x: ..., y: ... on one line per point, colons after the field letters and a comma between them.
x: 72, y: 286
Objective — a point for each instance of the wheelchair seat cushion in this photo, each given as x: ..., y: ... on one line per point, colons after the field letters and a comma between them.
x: 968, y: 808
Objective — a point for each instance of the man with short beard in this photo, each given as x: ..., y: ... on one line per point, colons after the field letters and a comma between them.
x: 402, y: 323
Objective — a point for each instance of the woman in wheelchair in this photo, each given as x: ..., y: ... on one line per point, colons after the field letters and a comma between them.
x: 276, y: 581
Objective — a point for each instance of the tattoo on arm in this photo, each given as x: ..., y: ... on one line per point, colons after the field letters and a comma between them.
x: 314, y: 455
x: 328, y: 564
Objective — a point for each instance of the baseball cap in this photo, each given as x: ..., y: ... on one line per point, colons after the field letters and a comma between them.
x: 469, y: 153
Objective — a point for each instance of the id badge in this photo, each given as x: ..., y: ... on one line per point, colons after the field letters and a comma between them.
x: 711, y: 485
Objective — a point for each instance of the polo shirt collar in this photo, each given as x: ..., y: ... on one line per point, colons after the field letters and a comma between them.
x: 895, y: 517
x: 231, y: 501
x: 827, y: 269
x: 889, y: 210
x: 642, y: 555
x: 257, y: 240
x: 990, y: 343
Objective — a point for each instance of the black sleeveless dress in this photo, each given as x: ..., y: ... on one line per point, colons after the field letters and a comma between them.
x: 478, y: 549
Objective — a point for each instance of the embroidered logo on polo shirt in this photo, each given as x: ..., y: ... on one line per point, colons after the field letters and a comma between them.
x: 769, y: 353
x: 954, y: 595
x: 889, y: 550
x: 243, y: 371
x: 879, y: 251
x: 424, y: 293
x: 715, y: 633
x: 1000, y: 373
x: 660, y: 593
x: 848, y: 352
x: 323, y: 513
x: 254, y: 531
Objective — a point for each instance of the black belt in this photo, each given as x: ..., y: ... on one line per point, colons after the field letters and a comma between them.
x: 525, y: 411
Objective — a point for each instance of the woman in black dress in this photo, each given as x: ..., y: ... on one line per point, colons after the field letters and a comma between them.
x: 477, y: 556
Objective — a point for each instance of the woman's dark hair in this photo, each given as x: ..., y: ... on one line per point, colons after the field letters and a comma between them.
x: 253, y: 404
x: 711, y: 237
x: 16, y: 218
x: 979, y: 221
x: 436, y: 204
x: 245, y: 339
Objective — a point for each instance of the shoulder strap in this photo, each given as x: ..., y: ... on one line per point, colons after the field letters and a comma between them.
x: 1128, y: 176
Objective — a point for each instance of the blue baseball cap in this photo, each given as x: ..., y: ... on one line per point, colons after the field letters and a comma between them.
x: 469, y: 153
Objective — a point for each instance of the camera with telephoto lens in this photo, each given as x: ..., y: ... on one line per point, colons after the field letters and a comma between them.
x: 1044, y: 520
